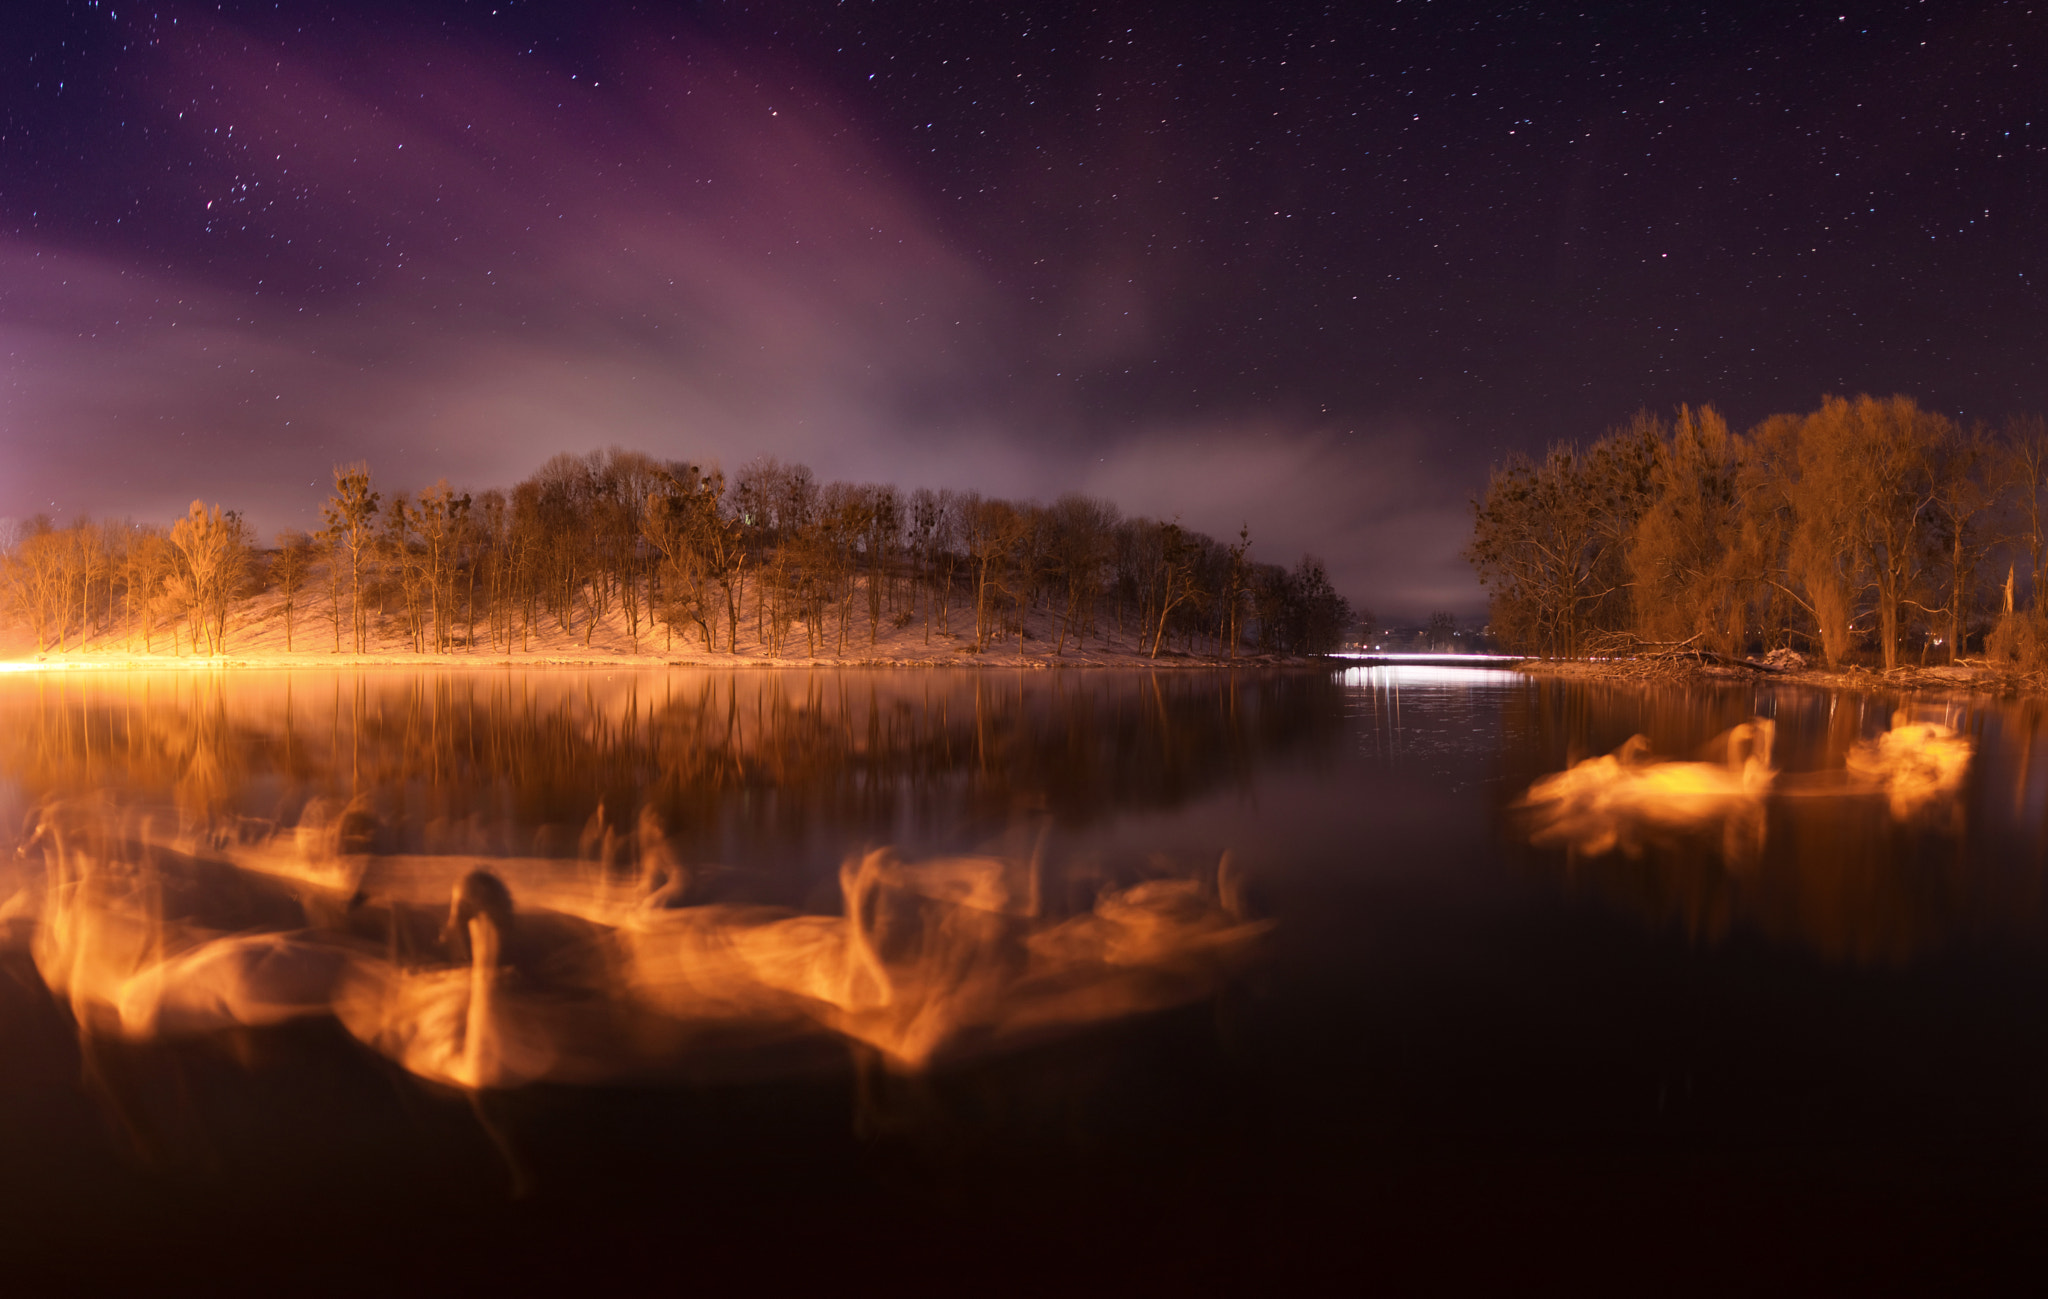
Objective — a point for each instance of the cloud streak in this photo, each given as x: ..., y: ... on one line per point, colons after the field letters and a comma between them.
x: 459, y: 263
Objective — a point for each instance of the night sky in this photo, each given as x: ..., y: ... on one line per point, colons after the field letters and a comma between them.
x: 1310, y: 267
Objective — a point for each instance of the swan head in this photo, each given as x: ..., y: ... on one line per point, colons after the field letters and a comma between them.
x: 480, y: 894
x: 1750, y: 744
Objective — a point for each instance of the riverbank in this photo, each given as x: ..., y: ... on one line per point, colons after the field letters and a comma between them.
x: 258, y: 640
x: 1969, y: 677
x: 460, y: 661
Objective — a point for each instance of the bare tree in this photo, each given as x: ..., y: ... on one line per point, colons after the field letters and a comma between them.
x: 294, y: 562
x: 1082, y: 528
x: 214, y: 547
x: 2026, y: 478
x: 1176, y: 576
x: 1963, y: 491
x: 351, y: 514
x: 989, y: 529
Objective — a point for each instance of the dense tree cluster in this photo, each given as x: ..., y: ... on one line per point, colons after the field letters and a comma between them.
x: 1866, y: 527
x: 769, y: 558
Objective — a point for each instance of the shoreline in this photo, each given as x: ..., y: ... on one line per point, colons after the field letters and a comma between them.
x: 1964, y: 677
x: 258, y: 640
x: 73, y: 662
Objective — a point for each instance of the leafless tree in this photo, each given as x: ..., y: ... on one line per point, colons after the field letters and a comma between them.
x: 351, y: 514
x: 294, y: 562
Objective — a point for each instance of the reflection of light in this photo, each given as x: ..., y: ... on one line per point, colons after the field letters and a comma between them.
x: 1405, y: 657
x: 1426, y: 674
x: 198, y: 663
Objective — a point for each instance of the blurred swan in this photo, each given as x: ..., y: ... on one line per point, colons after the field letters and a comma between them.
x: 105, y: 943
x: 950, y: 955
x: 466, y: 1026
x: 149, y: 935
x: 1915, y: 764
x: 828, y: 960
x: 1153, y: 945
x: 235, y: 981
x: 1607, y: 802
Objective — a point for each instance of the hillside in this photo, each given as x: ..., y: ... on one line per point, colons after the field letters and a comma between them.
x: 256, y: 637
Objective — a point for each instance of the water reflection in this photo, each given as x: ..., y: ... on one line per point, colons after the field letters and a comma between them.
x: 499, y: 880
x: 731, y: 764
x: 1879, y: 831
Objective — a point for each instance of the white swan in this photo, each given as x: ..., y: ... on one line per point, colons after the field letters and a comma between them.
x: 234, y: 981
x: 936, y: 956
x: 1915, y: 764
x: 103, y: 944
x: 458, y: 1025
x: 1606, y: 802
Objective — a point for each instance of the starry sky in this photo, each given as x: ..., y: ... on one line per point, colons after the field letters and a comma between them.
x: 1310, y: 267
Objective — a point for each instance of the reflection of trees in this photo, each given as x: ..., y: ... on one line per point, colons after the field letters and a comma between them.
x: 164, y: 736
x: 780, y: 753
x: 1838, y: 874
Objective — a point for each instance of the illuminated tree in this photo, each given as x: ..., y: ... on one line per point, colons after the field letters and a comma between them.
x: 214, y: 547
x: 441, y: 517
x: 351, y: 514
x: 294, y: 562
x: 1549, y: 540
x: 1693, y: 576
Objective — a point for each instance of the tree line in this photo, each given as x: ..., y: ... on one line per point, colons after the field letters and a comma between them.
x: 1868, y: 528
x: 664, y: 552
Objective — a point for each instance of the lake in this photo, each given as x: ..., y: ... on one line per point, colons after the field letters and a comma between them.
x: 1775, y: 1026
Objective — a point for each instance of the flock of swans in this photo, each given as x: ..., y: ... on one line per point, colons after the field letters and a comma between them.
x: 492, y: 974
x: 1620, y: 799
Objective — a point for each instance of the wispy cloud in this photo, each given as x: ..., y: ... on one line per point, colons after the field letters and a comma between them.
x: 460, y: 263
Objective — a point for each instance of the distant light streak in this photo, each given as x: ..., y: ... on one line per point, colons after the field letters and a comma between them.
x: 1377, y: 656
x: 1382, y: 673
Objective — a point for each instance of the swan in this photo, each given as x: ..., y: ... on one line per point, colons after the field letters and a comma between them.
x: 1915, y: 764
x: 1602, y: 803
x: 914, y: 958
x: 932, y: 957
x: 459, y: 1025
x: 1152, y: 945
x: 105, y: 944
x: 234, y: 981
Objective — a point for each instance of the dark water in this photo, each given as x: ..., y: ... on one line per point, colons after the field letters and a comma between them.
x: 1460, y: 1063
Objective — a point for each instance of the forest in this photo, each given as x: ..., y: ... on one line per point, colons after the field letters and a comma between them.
x: 1867, y: 531
x: 666, y: 554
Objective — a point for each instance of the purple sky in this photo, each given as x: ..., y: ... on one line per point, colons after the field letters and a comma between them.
x: 1231, y: 263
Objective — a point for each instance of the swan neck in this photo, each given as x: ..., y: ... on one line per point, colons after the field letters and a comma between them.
x: 479, y: 1046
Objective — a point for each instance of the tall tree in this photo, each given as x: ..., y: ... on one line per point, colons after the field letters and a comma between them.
x: 294, y: 561
x: 214, y: 546
x: 351, y: 514
x: 1692, y: 575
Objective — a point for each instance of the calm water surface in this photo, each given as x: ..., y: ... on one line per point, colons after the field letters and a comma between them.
x: 1801, y: 1058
